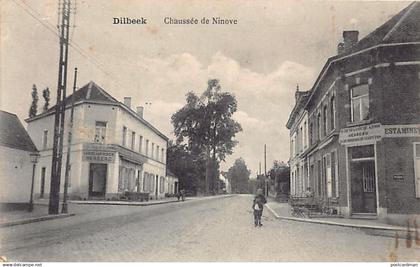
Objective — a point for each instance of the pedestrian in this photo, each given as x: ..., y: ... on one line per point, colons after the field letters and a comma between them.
x: 258, y: 206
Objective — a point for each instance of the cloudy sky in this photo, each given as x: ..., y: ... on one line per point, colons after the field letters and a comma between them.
x: 274, y: 46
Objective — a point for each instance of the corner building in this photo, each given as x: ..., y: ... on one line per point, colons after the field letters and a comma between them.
x: 114, y: 149
x: 361, y: 124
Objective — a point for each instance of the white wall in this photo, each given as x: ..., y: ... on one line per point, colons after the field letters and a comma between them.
x: 15, y: 175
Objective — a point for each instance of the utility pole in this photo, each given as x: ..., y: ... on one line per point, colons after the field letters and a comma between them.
x: 64, y: 208
x: 265, y: 170
x: 60, y: 111
x: 260, y: 169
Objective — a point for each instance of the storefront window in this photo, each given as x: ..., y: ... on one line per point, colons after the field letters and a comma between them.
x: 360, y: 103
x: 361, y: 152
x: 100, y: 132
x: 417, y: 169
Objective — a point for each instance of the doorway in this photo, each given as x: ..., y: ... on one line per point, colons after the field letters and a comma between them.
x: 97, y: 179
x: 363, y: 180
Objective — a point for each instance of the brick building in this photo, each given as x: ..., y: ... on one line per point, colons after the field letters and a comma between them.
x: 355, y: 135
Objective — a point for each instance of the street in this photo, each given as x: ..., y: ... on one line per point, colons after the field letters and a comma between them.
x: 214, y: 229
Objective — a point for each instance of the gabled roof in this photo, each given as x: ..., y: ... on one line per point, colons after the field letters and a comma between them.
x: 13, y: 134
x: 93, y: 93
x: 403, y: 27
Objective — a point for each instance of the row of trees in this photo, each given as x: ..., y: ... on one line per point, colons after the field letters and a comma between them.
x: 205, y: 131
x: 33, y: 110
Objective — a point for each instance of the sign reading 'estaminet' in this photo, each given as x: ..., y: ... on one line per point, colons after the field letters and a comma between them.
x: 375, y: 132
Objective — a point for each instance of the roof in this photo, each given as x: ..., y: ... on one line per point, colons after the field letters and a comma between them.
x: 13, y: 134
x: 401, y: 28
x: 301, y: 101
x: 170, y: 173
x: 93, y: 93
x: 90, y: 91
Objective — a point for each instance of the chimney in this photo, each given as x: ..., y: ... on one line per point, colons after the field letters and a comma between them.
x: 297, y: 93
x: 127, y: 101
x: 140, y: 111
x: 350, y: 38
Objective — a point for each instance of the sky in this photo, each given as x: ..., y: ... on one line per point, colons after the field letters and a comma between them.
x: 274, y: 46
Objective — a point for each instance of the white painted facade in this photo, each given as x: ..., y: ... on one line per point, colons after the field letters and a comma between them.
x: 103, y: 167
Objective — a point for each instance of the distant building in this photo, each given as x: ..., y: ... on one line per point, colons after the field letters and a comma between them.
x: 114, y: 149
x: 172, y: 183
x: 355, y: 135
x: 15, y: 163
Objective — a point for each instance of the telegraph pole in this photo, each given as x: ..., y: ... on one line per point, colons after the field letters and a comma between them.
x: 60, y: 111
x: 265, y: 170
x: 64, y: 208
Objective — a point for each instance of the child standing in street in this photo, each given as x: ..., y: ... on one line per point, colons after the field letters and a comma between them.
x: 258, y: 206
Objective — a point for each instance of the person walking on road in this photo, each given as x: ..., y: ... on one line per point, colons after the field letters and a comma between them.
x: 258, y: 206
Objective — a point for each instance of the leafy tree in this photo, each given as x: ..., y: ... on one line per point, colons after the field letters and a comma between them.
x: 280, y: 175
x: 205, y: 123
x: 238, y: 176
x: 187, y: 166
x: 34, y: 106
x: 46, y: 96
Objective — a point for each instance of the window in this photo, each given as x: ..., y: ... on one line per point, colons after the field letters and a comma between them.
x: 124, y: 136
x: 163, y: 155
x: 157, y: 152
x: 359, y: 103
x: 140, y: 143
x: 304, y: 135
x: 318, y: 124
x: 332, y: 113
x: 301, y: 140
x: 133, y: 140
x: 153, y: 150
x: 42, y: 190
x: 334, y: 180
x: 311, y: 129
x: 325, y: 121
x: 147, y: 147
x: 45, y: 139
x: 100, y: 132
x: 162, y: 185
x: 368, y: 174
x: 145, y: 182
x: 417, y: 168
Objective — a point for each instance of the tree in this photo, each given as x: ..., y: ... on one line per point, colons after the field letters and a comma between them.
x: 187, y: 166
x: 238, y: 176
x: 46, y: 96
x: 205, y: 123
x: 34, y: 106
x: 280, y: 175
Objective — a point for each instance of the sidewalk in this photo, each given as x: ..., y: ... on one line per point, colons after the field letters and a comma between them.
x: 375, y: 227
x: 39, y: 213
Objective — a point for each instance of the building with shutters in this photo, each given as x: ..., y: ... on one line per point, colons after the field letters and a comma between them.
x: 114, y: 149
x: 355, y: 135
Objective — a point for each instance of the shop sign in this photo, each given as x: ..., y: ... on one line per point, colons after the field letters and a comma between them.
x: 399, y: 177
x: 361, y: 134
x: 409, y: 130
x: 99, y: 156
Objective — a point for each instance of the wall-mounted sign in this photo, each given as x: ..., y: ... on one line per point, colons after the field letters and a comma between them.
x: 361, y: 134
x: 99, y: 156
x: 398, y: 177
x: 410, y: 130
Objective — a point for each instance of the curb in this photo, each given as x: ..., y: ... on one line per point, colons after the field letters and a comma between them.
x: 120, y: 203
x: 123, y: 203
x: 36, y: 219
x: 357, y: 226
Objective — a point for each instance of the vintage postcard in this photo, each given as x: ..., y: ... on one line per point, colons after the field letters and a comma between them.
x: 209, y: 131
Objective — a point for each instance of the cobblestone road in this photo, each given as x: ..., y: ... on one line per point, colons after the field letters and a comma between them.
x: 219, y: 229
